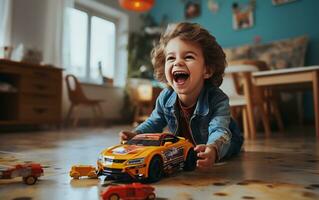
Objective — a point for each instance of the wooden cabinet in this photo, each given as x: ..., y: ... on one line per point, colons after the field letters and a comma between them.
x: 29, y: 93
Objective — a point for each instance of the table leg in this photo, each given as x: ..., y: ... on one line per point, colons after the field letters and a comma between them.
x: 250, y: 107
x: 316, y: 99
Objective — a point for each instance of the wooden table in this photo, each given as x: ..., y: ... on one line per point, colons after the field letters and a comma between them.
x: 298, y: 75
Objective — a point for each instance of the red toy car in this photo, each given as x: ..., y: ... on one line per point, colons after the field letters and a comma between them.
x: 136, y: 191
x: 29, y: 172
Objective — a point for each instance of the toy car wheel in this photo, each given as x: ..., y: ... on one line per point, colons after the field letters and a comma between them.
x: 151, y: 196
x: 30, y: 180
x: 99, y: 172
x: 75, y: 175
x: 155, y: 170
x: 114, y: 197
x: 92, y: 174
x: 190, y: 162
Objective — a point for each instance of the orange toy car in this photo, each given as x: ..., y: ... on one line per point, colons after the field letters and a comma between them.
x: 29, y: 172
x: 147, y: 157
x: 136, y: 191
x: 83, y: 170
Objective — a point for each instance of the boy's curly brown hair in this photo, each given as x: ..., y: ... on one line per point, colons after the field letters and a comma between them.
x: 214, y: 55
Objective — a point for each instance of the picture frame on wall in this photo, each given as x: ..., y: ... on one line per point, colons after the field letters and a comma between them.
x: 243, y: 16
x: 281, y: 2
x: 192, y: 9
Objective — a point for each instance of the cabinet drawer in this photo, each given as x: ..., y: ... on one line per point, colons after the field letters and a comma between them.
x: 39, y: 113
x: 13, y: 69
x: 39, y: 99
x: 46, y: 75
x: 38, y: 86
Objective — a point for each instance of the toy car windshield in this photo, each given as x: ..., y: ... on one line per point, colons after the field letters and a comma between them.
x: 142, y: 142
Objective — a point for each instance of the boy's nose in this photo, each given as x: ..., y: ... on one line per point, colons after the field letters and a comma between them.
x: 179, y: 63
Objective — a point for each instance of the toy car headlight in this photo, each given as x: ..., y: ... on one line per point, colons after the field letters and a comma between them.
x: 135, y: 161
x: 100, y: 158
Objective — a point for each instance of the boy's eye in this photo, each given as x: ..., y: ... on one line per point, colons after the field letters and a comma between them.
x: 189, y: 57
x: 170, y: 58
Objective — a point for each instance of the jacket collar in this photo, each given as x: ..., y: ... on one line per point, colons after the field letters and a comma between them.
x: 172, y: 99
x: 202, y: 107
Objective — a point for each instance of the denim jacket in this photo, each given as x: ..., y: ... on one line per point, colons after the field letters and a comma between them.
x: 209, y: 124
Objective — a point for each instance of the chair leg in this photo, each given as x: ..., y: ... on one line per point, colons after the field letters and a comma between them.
x: 265, y: 113
x: 245, y: 123
x: 97, y: 114
x: 265, y: 120
x: 278, y: 116
x: 76, y: 117
x: 68, y: 116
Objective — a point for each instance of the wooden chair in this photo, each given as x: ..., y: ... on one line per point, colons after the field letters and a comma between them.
x: 237, y: 102
x: 267, y: 97
x: 244, y: 102
x: 78, y: 98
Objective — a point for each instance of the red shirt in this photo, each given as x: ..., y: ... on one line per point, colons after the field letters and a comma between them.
x: 184, y: 126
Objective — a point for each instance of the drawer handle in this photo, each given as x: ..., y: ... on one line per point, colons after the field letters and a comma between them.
x: 40, y: 110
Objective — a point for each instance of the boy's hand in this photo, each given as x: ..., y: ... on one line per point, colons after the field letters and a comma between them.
x: 207, y: 156
x: 126, y: 135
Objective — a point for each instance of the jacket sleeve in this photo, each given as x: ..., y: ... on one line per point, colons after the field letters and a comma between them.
x: 218, y: 128
x: 156, y: 122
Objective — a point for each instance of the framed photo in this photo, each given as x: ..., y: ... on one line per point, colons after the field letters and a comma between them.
x: 280, y: 2
x: 243, y: 16
x: 192, y: 9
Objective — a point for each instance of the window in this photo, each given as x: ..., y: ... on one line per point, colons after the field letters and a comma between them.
x: 92, y: 45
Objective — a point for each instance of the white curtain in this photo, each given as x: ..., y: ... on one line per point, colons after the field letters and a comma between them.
x: 5, y: 23
x: 56, y: 49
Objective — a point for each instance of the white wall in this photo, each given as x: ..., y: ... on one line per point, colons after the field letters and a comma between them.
x: 28, y: 22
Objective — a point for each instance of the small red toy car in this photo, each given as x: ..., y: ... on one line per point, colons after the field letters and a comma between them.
x: 136, y: 191
x: 29, y: 172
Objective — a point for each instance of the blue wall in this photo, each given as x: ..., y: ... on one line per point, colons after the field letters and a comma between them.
x: 271, y: 22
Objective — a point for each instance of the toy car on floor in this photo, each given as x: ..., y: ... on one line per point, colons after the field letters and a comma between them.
x: 147, y: 157
x: 83, y: 170
x: 29, y: 172
x: 136, y: 191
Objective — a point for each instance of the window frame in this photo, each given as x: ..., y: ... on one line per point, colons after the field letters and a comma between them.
x: 95, y: 13
x: 122, y: 33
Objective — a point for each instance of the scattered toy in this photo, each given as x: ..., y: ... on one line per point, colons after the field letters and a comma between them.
x: 147, y: 157
x: 135, y: 191
x: 29, y: 172
x: 83, y: 170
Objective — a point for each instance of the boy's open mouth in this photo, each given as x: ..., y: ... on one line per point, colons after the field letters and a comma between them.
x: 180, y: 77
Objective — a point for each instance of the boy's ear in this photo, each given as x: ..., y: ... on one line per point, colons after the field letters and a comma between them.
x: 208, y: 72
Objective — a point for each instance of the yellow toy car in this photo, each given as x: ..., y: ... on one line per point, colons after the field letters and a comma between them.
x: 147, y: 157
x: 83, y: 170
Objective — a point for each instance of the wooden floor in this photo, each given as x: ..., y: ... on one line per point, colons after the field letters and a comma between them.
x: 283, y: 167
